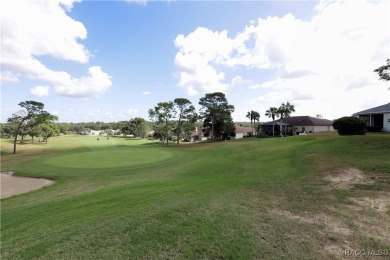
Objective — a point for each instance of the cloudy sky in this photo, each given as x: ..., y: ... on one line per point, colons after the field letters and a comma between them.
x: 113, y: 60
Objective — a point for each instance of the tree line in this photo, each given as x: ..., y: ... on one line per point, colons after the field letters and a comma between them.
x: 32, y: 120
x: 177, y: 118
x: 172, y: 120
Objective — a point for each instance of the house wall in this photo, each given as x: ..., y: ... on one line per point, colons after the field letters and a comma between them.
x: 95, y: 132
x: 386, y: 122
x: 239, y: 135
x: 323, y: 129
x: 312, y: 129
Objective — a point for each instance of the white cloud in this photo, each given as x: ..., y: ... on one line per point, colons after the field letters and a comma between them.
x: 97, y: 82
x: 47, y: 31
x: 199, y: 53
x: 132, y: 111
x: 40, y: 91
x: 7, y: 76
x: 146, y: 93
x: 141, y: 2
x: 320, y: 64
x: 239, y: 82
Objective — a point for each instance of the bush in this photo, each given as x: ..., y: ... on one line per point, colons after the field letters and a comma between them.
x: 350, y: 125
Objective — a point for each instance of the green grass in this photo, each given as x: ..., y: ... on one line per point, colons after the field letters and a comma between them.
x: 245, y: 199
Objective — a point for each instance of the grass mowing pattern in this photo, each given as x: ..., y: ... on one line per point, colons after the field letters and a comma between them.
x: 252, y: 198
x: 109, y: 159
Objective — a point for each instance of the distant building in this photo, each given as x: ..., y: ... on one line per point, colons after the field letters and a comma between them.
x: 298, y: 124
x: 197, y: 135
x: 93, y: 132
x: 242, y: 131
x: 376, y: 118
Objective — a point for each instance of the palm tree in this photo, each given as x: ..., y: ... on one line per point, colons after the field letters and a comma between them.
x: 249, y: 115
x: 272, y: 112
x: 256, y: 117
x: 285, y: 111
x: 253, y: 116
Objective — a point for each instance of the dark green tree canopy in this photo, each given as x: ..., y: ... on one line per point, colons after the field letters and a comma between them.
x: 384, y: 71
x: 284, y: 111
x: 32, y: 111
x: 216, y: 113
x: 186, y: 117
x: 163, y: 113
x: 253, y: 116
x: 272, y: 112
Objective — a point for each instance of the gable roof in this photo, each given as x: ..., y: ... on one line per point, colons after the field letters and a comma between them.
x: 197, y: 133
x: 379, y: 109
x: 243, y: 129
x: 276, y: 122
x: 306, y: 121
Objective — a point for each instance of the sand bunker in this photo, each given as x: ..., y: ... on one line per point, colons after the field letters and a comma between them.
x: 14, y: 185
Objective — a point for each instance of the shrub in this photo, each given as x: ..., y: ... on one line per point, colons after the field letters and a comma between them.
x: 350, y: 125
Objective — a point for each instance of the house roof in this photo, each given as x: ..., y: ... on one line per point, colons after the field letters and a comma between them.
x: 243, y: 129
x: 276, y: 122
x: 197, y: 133
x: 380, y: 109
x: 304, y: 121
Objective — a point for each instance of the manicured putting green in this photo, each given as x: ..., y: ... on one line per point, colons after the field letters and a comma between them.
x: 112, y: 158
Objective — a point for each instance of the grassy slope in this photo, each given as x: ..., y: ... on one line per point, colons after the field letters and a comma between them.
x: 258, y: 198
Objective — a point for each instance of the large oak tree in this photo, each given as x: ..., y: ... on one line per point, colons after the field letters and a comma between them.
x: 31, y: 109
x: 186, y: 115
x: 164, y: 112
x: 216, y: 113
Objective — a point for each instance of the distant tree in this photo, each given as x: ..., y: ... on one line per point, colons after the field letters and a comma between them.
x: 48, y: 129
x: 272, y: 112
x: 215, y: 111
x: 23, y: 131
x: 249, y: 115
x: 285, y: 111
x: 137, y: 127
x: 228, y: 127
x: 30, y: 110
x: 163, y: 113
x: 64, y: 128
x: 253, y: 116
x: 384, y: 71
x: 186, y: 116
x: 319, y: 116
x: 47, y: 125
x: 34, y: 131
x: 7, y: 129
x: 256, y: 118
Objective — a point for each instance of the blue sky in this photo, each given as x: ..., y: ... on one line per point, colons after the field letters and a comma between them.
x: 113, y: 60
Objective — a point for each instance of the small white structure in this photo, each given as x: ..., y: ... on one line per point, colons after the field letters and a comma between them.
x: 376, y: 118
x: 242, y: 131
x: 93, y: 132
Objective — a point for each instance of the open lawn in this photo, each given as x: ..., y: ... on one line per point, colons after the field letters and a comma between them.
x: 302, y: 197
